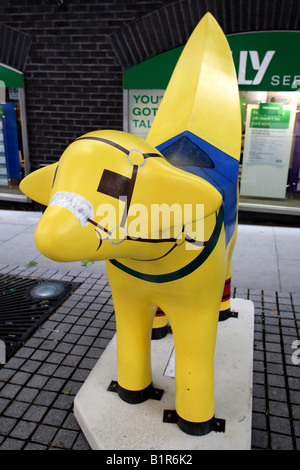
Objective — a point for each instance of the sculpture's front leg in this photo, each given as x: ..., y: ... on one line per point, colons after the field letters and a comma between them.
x: 134, y: 320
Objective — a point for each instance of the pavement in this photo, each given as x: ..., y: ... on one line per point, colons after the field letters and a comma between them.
x: 38, y: 384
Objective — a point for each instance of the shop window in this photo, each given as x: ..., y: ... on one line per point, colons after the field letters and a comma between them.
x: 268, y: 73
x: 14, y: 161
x: 270, y: 159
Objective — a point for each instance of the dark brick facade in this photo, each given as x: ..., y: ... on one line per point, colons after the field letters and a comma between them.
x: 14, y: 47
x: 172, y: 25
x: 73, y: 80
x: 73, y: 55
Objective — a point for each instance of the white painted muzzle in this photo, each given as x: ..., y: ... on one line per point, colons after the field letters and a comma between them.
x: 78, y: 205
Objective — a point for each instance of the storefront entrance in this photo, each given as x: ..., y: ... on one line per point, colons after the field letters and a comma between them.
x: 14, y: 162
x: 268, y: 74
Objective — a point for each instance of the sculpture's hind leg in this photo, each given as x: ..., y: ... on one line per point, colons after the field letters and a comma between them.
x: 194, y: 331
x: 225, y: 308
x: 160, y: 325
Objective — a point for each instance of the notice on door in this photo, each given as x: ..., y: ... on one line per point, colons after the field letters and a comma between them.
x: 3, y: 168
x: 267, y: 149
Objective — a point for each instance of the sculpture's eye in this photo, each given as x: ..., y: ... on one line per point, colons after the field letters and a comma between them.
x: 114, y: 185
x: 186, y: 153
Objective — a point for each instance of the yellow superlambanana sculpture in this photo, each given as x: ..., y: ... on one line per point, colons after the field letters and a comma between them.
x: 163, y: 213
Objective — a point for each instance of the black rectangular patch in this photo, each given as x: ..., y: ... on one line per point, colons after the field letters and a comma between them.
x: 113, y: 184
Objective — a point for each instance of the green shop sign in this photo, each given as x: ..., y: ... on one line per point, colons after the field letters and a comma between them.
x: 10, y: 77
x: 270, y: 116
x: 264, y: 61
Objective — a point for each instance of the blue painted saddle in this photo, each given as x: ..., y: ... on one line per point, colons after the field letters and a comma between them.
x: 194, y: 155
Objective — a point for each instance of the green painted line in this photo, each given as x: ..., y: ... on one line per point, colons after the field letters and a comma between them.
x: 182, y: 272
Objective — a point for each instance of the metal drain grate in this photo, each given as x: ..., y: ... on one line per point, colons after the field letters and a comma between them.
x: 25, y: 303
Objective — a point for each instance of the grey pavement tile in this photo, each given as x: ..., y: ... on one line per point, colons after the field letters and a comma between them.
x: 289, y: 275
x: 20, y: 378
x: 16, y: 409
x: 54, y: 384
x: 260, y: 439
x: 65, y: 438
x: 23, y: 430
x: 63, y: 372
x: 27, y: 394
x: 9, y: 231
x: 281, y: 442
x: 45, y: 398
x: 4, y: 402
x: 72, y: 360
x: 81, y: 443
x: 7, y: 424
x: 259, y: 421
x: 280, y: 425
x: 20, y: 217
x: 64, y: 402
x: 295, y: 397
x: 44, y: 434
x: 35, y: 413
x: 277, y: 408
x: 12, y: 444
x: 34, y: 446
x: 10, y: 390
x: 47, y: 369
x: 55, y: 417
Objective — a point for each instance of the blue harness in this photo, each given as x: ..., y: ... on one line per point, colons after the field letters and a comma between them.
x: 194, y: 155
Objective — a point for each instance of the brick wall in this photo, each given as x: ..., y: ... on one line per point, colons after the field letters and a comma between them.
x: 72, y: 77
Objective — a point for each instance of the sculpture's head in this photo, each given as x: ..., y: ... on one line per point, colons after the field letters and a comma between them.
x: 101, y: 195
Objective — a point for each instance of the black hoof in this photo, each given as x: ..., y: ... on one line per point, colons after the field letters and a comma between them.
x: 135, y: 396
x: 159, y: 333
x: 201, y: 429
x: 225, y: 314
x: 192, y: 428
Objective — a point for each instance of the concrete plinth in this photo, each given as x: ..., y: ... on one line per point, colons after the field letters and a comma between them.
x: 111, y: 424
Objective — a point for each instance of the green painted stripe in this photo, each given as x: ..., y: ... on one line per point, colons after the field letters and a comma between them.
x: 182, y: 272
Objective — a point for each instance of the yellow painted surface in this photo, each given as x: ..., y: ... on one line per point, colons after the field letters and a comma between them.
x: 204, y: 88
x: 148, y: 266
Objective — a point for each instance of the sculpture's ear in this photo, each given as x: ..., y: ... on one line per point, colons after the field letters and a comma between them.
x: 38, y: 184
x: 179, y: 186
x: 204, y: 193
x: 174, y: 189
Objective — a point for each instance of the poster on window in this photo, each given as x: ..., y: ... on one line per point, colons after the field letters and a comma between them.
x: 3, y: 169
x: 267, y: 149
x: 294, y: 182
x: 142, y: 108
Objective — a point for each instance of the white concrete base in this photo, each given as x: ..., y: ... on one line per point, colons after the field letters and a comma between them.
x: 111, y: 424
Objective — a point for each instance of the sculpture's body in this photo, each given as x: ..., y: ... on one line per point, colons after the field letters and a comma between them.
x: 101, y: 197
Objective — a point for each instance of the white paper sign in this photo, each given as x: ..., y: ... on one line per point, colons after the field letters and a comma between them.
x: 170, y: 369
x: 267, y: 150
